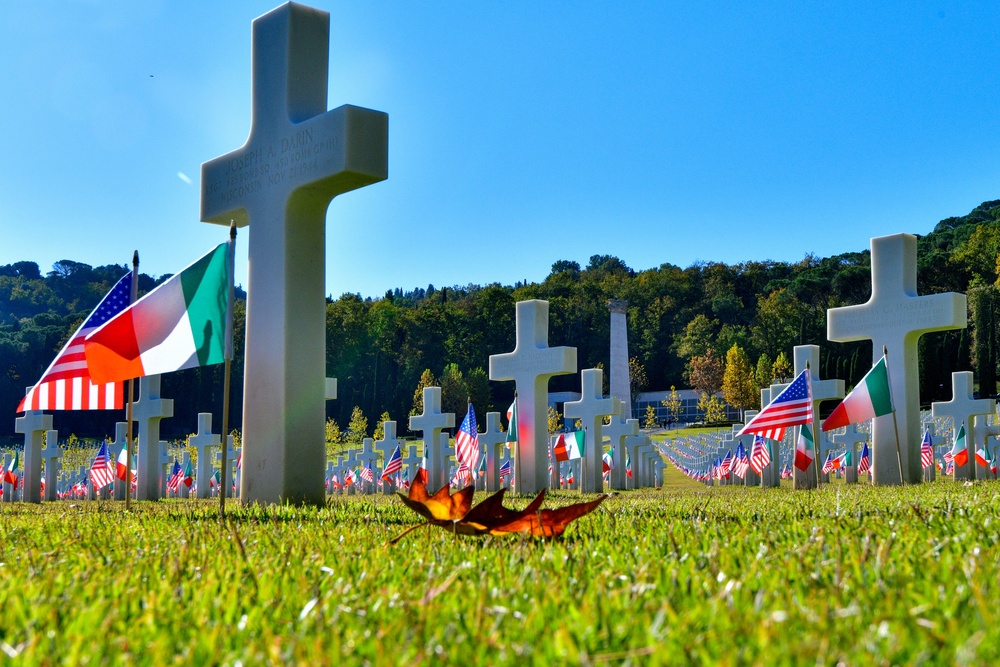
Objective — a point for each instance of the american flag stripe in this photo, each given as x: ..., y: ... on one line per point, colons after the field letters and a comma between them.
x: 66, y: 383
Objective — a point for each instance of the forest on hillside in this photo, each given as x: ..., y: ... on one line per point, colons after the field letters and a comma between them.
x: 683, y: 325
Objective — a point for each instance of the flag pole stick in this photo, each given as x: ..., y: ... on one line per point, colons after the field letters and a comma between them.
x: 133, y: 291
x: 227, y: 373
x: 814, y: 432
x: 895, y: 426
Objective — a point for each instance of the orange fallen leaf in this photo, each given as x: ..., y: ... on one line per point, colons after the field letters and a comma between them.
x: 454, y: 511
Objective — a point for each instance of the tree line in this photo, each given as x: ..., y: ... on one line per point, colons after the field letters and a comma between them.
x: 686, y: 327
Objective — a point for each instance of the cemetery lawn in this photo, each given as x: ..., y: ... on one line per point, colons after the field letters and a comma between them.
x: 684, y: 575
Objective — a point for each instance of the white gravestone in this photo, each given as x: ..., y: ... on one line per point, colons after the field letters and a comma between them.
x: 619, y: 429
x: 530, y: 366
x: 148, y: 411
x: 850, y: 439
x: 297, y: 158
x: 121, y: 486
x: 431, y: 422
x: 230, y: 475
x: 205, y: 443
x: 647, y: 451
x: 752, y: 478
x: 985, y: 431
x: 962, y: 408
x: 822, y: 390
x: 33, y: 424
x: 412, y: 462
x: 387, y: 445
x: 895, y: 317
x: 51, y: 455
x: 352, y: 463
x: 368, y: 459
x: 166, y: 467
x: 591, y: 410
x: 493, y: 440
x: 633, y: 444
x: 619, y: 379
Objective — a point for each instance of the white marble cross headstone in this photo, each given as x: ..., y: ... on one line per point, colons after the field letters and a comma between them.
x: 633, y: 444
x: 114, y: 449
x: 32, y: 425
x: 493, y: 440
x: 962, y: 408
x: 228, y: 476
x: 822, y: 390
x: 431, y: 422
x: 412, y: 462
x: 297, y: 158
x: 619, y: 429
x: 591, y: 409
x: 530, y: 366
x: 850, y: 439
x: 166, y: 467
x: 51, y: 455
x: 148, y: 411
x: 895, y: 318
x: 387, y: 445
x: 205, y: 443
x: 368, y: 459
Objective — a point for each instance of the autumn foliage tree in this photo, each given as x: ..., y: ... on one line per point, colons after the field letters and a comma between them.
x: 738, y: 385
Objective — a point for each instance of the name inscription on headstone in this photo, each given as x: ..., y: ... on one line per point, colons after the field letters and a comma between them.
x: 292, y: 157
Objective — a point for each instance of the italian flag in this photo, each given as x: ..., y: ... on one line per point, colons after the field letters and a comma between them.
x: 569, y: 446
x: 122, y: 466
x: 959, y: 451
x: 512, y: 425
x: 805, y: 449
x: 982, y: 458
x: 10, y: 474
x: 866, y: 401
x: 182, y: 323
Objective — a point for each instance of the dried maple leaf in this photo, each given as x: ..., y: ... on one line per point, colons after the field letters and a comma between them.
x: 454, y: 511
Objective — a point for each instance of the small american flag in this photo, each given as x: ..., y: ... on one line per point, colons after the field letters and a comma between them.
x: 505, y: 469
x: 176, y: 477
x: 101, y: 472
x: 463, y: 476
x: 760, y: 455
x: 393, y: 465
x: 467, y: 441
x: 366, y: 472
x: 865, y: 461
x: 828, y: 464
x: 66, y: 384
x: 792, y: 407
x: 926, y: 450
x: 742, y: 462
x: 727, y: 463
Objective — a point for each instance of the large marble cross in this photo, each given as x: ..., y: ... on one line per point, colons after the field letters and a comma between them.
x: 895, y: 318
x: 51, y: 455
x: 431, y: 422
x: 205, y: 442
x: 493, y: 440
x: 962, y: 408
x: 32, y: 425
x: 148, y: 411
x: 530, y: 366
x: 297, y: 158
x: 591, y: 409
x: 619, y: 429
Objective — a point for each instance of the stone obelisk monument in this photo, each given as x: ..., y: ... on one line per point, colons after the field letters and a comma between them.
x: 619, y: 356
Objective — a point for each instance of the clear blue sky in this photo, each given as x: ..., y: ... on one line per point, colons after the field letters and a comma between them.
x: 520, y: 132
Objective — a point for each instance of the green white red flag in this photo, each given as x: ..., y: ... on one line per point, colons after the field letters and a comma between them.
x: 960, y: 451
x: 805, y: 449
x: 869, y: 399
x: 183, y: 323
x: 569, y: 446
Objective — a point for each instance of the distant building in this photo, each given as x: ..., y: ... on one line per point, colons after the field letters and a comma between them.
x: 689, y: 406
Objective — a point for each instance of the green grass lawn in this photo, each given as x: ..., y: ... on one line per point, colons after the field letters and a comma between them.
x: 683, y: 575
